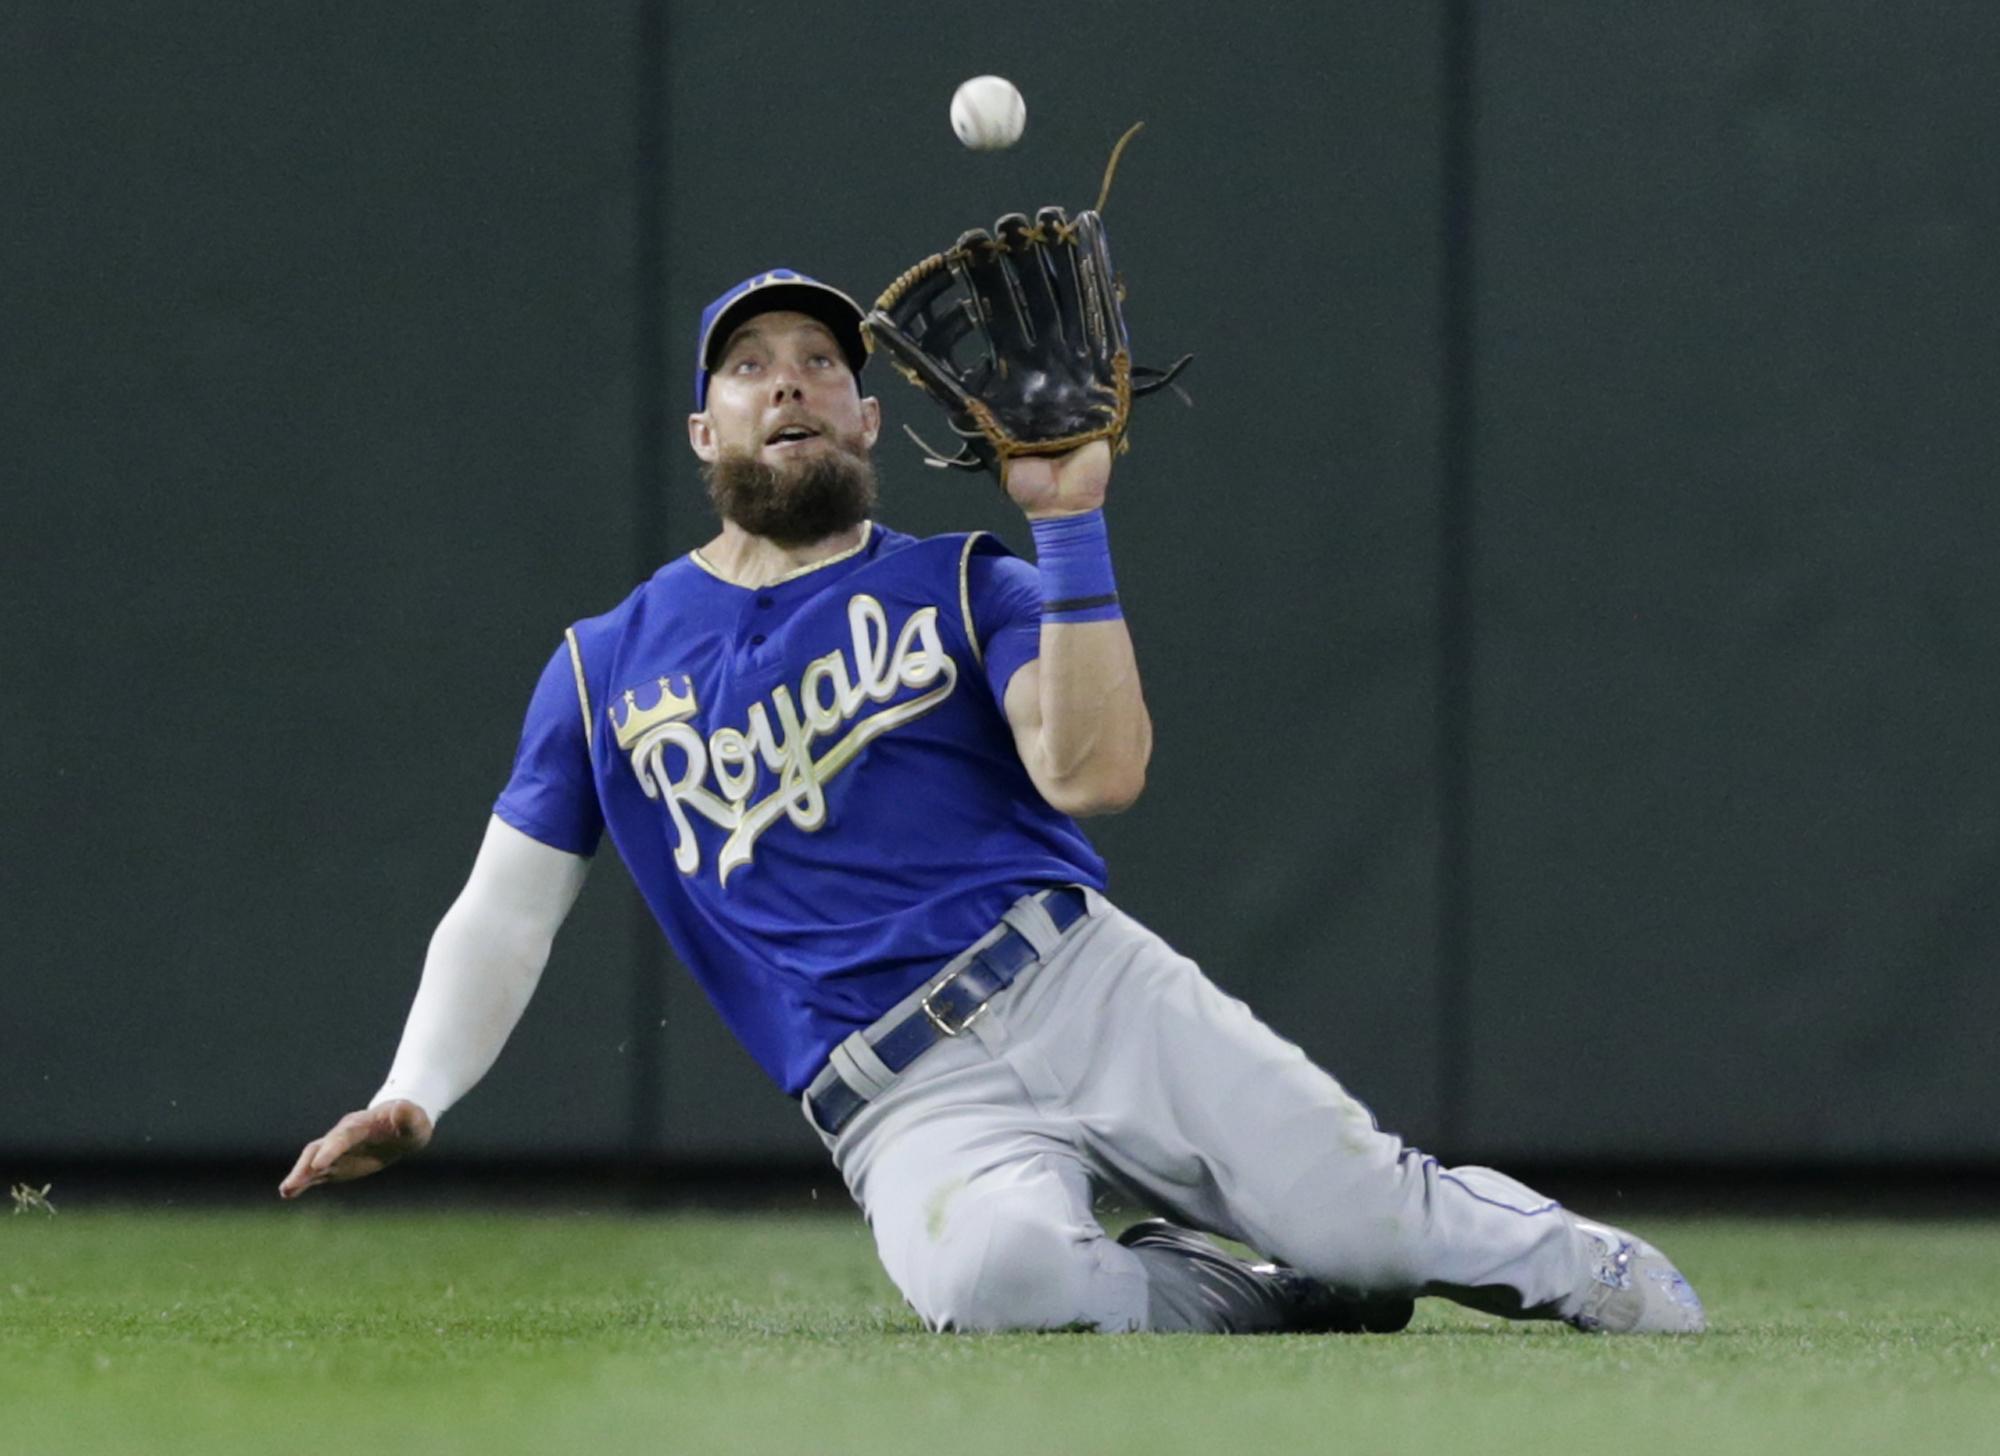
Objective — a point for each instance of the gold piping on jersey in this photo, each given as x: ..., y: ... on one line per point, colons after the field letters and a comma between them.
x: 582, y: 692
x: 965, y: 597
x: 867, y: 534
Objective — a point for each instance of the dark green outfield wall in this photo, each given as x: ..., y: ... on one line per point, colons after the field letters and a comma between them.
x: 1566, y: 608
x: 1736, y: 679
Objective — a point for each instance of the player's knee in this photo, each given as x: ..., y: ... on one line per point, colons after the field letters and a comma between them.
x: 1011, y: 1270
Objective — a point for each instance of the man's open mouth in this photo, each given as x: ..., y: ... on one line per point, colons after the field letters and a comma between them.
x: 791, y: 435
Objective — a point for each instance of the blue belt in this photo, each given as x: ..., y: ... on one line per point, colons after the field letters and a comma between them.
x: 948, y: 1008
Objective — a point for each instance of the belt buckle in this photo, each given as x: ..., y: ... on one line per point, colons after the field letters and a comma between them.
x: 939, y: 1020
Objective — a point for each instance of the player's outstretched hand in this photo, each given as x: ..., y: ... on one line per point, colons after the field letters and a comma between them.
x: 1060, y: 485
x: 359, y: 1144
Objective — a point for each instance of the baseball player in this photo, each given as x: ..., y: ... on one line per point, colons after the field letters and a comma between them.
x: 845, y: 768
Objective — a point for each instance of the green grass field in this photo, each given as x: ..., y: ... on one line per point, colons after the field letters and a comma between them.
x: 341, y: 1328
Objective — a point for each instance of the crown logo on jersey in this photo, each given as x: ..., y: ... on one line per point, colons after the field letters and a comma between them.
x: 671, y: 708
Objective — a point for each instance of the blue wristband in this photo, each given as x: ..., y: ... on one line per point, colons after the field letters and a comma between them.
x: 1074, y: 553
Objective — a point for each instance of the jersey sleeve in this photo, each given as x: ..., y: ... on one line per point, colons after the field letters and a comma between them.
x: 552, y: 796
x: 1004, y: 601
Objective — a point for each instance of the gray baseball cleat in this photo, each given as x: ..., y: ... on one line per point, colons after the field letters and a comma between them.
x: 1301, y: 1304
x: 1631, y: 1287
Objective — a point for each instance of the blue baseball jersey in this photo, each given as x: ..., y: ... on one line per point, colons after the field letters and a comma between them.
x: 812, y: 782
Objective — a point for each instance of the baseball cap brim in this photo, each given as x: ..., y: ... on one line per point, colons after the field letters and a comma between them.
x: 767, y: 292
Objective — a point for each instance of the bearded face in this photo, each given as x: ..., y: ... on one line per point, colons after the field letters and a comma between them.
x: 824, y: 487
x: 786, y: 437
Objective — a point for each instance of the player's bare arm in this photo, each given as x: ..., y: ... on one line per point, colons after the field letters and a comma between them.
x: 485, y: 960
x: 1078, y: 712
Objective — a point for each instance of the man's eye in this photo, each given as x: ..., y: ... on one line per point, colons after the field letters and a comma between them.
x: 823, y: 360
x: 744, y: 366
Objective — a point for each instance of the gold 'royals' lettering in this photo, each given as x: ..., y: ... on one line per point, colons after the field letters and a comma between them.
x: 779, y: 738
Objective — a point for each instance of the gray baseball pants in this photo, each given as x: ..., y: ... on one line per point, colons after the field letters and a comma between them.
x: 1114, y: 1062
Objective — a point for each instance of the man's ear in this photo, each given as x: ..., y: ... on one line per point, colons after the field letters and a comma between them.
x: 701, y: 436
x: 871, y: 420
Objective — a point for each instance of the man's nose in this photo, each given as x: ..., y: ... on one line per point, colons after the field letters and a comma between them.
x: 787, y: 382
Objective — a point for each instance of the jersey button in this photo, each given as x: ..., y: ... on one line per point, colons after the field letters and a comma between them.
x: 758, y: 640
x: 767, y: 601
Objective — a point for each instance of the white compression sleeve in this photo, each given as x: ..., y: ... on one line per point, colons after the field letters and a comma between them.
x: 485, y: 960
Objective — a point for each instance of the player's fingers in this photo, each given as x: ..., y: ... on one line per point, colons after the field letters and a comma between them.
x: 353, y: 1130
x: 300, y: 1178
x: 357, y: 1164
x: 334, y: 1146
x: 359, y: 1144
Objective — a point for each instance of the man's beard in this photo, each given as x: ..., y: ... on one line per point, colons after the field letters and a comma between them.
x: 795, y: 504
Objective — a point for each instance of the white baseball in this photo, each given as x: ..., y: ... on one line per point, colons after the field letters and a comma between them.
x: 988, y: 113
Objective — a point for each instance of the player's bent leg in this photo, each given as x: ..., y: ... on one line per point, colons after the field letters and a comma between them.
x: 1014, y: 1248
x: 1220, y: 1120
x: 1533, y: 1259
x: 982, y: 1218
x: 1486, y: 1240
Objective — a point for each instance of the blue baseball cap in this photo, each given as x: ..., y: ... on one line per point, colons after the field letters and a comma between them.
x: 778, y: 288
